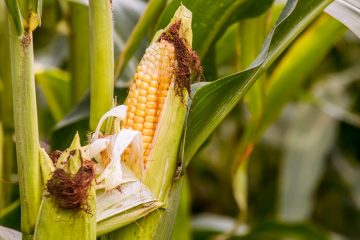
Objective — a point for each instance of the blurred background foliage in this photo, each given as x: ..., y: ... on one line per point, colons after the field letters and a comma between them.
x: 283, y: 164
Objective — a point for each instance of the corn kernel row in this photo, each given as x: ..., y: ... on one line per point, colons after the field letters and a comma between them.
x: 149, y: 90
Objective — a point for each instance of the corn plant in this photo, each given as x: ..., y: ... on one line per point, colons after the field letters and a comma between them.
x: 105, y: 134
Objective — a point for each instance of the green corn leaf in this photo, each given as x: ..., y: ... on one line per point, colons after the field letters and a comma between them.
x: 214, y: 15
x: 307, y: 143
x: 299, y: 62
x: 16, y: 15
x: 311, y: 136
x: 213, y: 101
x: 55, y: 85
x: 251, y: 35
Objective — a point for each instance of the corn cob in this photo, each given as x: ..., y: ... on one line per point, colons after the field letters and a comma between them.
x: 146, y: 97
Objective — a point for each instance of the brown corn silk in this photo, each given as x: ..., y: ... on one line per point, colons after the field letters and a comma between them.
x: 70, y: 191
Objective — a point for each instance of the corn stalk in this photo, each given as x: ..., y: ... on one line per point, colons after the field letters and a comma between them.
x: 101, y: 60
x: 80, y: 51
x: 24, y: 18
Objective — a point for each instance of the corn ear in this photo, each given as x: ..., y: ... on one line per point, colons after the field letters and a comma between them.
x: 162, y: 159
x: 54, y: 223
x: 156, y: 109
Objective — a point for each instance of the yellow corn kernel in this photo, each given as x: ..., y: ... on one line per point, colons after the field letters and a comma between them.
x: 147, y: 95
x: 147, y: 139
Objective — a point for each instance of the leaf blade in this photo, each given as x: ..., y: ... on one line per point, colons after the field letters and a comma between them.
x: 201, y: 121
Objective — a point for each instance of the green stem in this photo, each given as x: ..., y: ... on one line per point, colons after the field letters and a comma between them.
x: 26, y: 127
x: 80, y: 51
x: 101, y: 60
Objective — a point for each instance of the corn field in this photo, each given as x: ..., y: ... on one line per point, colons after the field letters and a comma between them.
x: 192, y: 119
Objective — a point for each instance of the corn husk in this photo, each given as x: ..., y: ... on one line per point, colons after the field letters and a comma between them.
x: 121, y: 197
x: 54, y: 223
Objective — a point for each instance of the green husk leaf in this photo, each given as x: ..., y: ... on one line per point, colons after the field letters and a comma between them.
x: 73, y: 160
x: 47, y: 165
x: 55, y: 223
x: 159, y: 179
x: 116, y: 208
